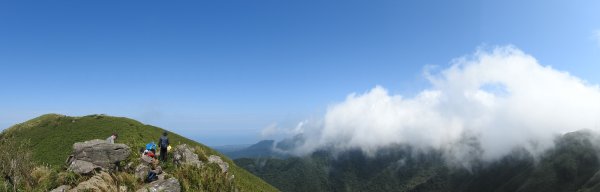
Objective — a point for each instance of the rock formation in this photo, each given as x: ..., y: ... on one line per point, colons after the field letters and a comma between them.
x: 184, y: 155
x: 96, y: 154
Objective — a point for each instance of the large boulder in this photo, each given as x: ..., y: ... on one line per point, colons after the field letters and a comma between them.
x: 216, y: 159
x: 90, y: 155
x: 163, y: 185
x: 184, y: 155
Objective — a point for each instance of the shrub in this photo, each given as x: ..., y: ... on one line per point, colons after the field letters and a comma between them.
x: 4, y: 186
x: 16, y: 163
x: 69, y: 178
x: 128, y: 180
x: 206, y: 178
x: 201, y: 153
x: 44, y: 178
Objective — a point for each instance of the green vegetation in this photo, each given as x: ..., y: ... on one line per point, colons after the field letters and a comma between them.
x: 572, y: 165
x: 50, y: 138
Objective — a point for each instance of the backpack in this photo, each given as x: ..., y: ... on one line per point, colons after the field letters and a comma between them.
x: 151, y: 177
x: 150, y: 146
x: 164, y: 142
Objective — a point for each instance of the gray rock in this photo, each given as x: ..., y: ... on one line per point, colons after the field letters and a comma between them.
x: 100, y: 152
x: 168, y: 185
x: 216, y: 159
x: 184, y: 155
x: 97, y: 152
x: 146, y: 160
x: 62, y: 188
x: 82, y: 167
x: 129, y: 166
x: 141, y: 171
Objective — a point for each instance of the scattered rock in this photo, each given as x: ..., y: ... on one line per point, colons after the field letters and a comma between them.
x: 99, y: 182
x: 158, y: 170
x: 98, y: 153
x: 216, y: 159
x: 184, y: 155
x: 129, y: 166
x: 168, y: 185
x: 62, y: 188
x: 141, y: 171
x: 146, y: 159
x: 83, y: 167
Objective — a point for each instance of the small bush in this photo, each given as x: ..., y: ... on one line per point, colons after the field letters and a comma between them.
x: 206, y: 178
x: 44, y: 178
x: 16, y: 163
x: 4, y: 186
x: 202, y: 155
x: 128, y: 180
x: 69, y: 178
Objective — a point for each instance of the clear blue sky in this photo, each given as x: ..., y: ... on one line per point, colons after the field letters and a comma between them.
x: 220, y: 71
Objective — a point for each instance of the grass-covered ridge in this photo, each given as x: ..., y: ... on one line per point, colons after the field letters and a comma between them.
x: 52, y: 136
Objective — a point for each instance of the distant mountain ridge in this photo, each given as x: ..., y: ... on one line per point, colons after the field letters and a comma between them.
x: 230, y: 148
x: 573, y: 165
x: 262, y: 149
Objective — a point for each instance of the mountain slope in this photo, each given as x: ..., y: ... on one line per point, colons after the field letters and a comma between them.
x: 262, y: 149
x: 51, y: 138
x: 573, y: 165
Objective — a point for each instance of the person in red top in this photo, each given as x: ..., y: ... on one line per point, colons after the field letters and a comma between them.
x: 150, y: 154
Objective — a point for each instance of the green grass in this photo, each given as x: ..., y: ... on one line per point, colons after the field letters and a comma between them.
x: 52, y: 136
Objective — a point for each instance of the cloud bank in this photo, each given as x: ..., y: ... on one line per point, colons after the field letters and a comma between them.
x: 502, y: 99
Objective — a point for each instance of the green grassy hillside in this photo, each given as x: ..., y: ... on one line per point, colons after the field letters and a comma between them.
x: 51, y: 138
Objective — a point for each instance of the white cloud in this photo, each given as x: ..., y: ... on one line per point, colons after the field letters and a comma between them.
x: 504, y: 98
x: 269, y: 131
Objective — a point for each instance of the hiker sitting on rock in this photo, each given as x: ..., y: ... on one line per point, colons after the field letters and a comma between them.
x: 112, y: 138
x: 149, y: 154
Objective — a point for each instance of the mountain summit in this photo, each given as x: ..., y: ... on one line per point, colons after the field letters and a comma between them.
x: 41, y: 145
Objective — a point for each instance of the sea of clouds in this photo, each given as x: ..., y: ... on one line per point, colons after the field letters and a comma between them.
x: 500, y: 98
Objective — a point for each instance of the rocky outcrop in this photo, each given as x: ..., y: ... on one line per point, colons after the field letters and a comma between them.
x: 165, y: 185
x: 216, y: 159
x: 100, y: 155
x: 184, y: 155
x: 96, y: 154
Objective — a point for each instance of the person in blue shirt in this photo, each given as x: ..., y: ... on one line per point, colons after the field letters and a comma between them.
x: 163, y: 143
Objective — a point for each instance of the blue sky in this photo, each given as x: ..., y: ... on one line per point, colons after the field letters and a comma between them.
x: 221, y: 71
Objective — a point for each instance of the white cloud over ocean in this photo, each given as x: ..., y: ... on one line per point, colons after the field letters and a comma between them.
x: 502, y: 97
